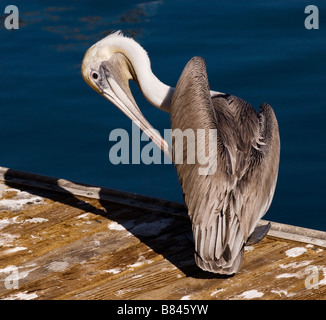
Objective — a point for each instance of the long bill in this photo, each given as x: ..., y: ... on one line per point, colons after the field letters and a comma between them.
x: 124, y: 100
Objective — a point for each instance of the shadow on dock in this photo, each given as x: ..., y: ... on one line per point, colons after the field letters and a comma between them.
x: 173, y: 242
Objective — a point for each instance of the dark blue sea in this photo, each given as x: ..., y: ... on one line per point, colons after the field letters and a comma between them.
x: 52, y: 123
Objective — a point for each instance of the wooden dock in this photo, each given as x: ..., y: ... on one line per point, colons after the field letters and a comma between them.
x: 62, y: 240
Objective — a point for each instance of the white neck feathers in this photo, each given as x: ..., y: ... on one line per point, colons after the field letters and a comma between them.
x: 155, y: 91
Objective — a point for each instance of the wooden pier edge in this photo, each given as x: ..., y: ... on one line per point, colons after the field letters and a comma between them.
x: 278, y: 230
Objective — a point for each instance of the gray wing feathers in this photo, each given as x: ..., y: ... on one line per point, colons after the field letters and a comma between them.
x: 216, y: 229
x: 264, y: 162
x: 224, y: 207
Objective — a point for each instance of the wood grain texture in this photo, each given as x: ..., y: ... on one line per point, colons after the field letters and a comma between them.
x: 67, y: 246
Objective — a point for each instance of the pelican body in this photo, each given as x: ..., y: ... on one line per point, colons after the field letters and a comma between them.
x: 224, y: 207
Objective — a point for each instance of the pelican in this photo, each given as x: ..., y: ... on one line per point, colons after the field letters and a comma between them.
x: 224, y: 207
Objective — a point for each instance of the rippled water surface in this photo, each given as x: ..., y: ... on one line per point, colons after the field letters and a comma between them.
x: 52, y: 123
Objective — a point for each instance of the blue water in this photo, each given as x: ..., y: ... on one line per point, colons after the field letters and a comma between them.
x: 52, y: 123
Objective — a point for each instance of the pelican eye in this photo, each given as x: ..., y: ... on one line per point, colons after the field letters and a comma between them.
x: 95, y: 75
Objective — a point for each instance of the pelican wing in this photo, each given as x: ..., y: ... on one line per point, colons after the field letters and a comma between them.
x: 225, y: 203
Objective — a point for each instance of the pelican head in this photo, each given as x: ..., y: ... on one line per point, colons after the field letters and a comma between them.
x: 108, y: 66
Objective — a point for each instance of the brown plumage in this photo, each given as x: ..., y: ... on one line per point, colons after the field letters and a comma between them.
x: 226, y: 203
x: 225, y: 207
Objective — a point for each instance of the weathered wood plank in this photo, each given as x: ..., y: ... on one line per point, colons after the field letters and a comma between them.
x: 58, y: 186
x: 74, y: 238
x: 13, y: 177
x: 68, y: 246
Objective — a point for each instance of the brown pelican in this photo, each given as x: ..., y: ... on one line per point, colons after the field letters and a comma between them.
x: 225, y: 206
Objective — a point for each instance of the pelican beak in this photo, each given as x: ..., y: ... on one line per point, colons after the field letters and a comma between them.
x: 114, y: 86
